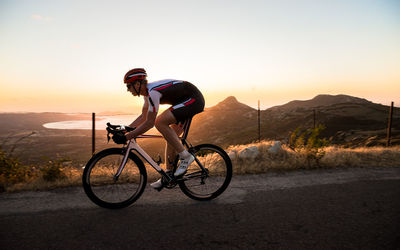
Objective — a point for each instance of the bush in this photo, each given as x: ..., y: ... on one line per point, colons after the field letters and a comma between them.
x: 53, y: 170
x: 12, y: 171
x: 308, y: 141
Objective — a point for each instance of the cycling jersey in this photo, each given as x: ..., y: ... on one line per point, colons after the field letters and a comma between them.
x: 185, y: 98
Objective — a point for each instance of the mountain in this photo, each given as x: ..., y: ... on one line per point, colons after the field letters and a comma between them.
x: 229, y: 120
x: 231, y: 103
x: 348, y: 120
x: 321, y: 101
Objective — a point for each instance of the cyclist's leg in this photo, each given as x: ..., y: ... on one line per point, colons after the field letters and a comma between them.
x: 170, y: 152
x: 162, y: 124
x: 179, y: 112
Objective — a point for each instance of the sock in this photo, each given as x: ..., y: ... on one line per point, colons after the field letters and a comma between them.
x: 184, y: 154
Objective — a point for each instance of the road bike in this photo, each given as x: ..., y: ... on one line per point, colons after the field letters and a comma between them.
x: 116, y: 177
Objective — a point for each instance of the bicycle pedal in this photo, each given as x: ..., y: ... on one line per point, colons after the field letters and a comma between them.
x: 179, y: 178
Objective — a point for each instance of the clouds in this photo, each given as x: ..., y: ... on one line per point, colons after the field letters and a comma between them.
x: 41, y: 18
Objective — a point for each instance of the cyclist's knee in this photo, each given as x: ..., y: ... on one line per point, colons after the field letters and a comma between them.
x: 165, y: 119
x: 159, y: 123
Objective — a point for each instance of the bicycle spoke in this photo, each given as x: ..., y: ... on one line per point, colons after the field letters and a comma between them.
x: 102, y: 187
x: 209, y: 175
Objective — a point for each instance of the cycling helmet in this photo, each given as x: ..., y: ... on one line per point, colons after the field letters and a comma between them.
x: 135, y: 74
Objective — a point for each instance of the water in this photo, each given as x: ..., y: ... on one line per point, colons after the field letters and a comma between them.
x: 101, y: 122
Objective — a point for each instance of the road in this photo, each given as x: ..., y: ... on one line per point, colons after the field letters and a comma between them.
x: 319, y: 209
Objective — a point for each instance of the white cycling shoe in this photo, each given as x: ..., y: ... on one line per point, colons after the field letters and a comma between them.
x: 183, y: 165
x: 157, y: 184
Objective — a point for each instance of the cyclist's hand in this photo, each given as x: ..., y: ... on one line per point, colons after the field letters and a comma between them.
x: 119, y: 138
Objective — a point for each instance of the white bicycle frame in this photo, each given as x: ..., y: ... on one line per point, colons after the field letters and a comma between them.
x: 133, y: 145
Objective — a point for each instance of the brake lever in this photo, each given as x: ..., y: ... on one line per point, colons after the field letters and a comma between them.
x: 108, y: 134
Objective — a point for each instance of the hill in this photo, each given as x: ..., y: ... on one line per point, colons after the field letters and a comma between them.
x: 320, y: 101
x: 228, y: 122
x: 348, y: 120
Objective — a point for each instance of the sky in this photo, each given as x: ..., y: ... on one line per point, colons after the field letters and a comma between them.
x: 71, y: 56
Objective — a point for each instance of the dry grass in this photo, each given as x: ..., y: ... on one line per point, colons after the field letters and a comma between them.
x: 333, y: 157
x: 263, y: 161
x: 73, y: 177
x: 362, y: 157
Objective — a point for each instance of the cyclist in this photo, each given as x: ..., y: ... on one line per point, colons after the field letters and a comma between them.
x: 185, y: 100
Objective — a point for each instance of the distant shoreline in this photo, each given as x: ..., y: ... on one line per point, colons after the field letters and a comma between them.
x: 100, y: 123
x: 15, y: 123
x: 65, y: 113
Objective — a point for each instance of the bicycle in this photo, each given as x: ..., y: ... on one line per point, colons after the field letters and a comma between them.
x: 116, y: 177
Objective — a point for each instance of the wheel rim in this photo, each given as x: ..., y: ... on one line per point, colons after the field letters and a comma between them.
x: 205, y: 184
x: 109, y: 190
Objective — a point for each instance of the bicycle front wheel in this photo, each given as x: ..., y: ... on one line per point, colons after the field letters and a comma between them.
x: 102, y: 186
x: 209, y: 175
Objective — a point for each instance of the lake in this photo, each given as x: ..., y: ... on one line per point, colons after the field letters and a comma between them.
x: 101, y: 122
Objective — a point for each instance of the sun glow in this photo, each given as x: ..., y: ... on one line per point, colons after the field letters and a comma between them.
x: 56, y: 59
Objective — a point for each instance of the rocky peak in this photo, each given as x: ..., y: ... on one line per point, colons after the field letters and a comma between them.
x: 231, y: 103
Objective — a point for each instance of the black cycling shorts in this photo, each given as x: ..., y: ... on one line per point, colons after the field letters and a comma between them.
x: 188, y: 108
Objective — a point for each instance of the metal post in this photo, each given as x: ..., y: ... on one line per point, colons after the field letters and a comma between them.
x: 93, y: 132
x: 389, y: 129
x: 259, y: 122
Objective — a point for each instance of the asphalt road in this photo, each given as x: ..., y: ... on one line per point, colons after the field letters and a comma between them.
x: 320, y: 209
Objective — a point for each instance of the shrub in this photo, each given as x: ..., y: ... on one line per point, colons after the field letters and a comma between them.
x: 12, y: 171
x: 308, y: 141
x: 53, y: 170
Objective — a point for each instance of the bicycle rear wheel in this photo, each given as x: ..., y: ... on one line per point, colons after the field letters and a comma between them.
x: 104, y: 189
x: 209, y: 175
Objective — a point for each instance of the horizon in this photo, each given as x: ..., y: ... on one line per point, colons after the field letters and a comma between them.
x: 165, y: 106
x: 69, y: 57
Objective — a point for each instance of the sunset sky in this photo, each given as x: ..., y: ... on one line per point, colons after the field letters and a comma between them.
x: 71, y: 56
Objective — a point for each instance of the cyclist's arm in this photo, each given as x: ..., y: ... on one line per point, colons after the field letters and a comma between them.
x: 151, y: 114
x: 142, y: 117
x: 144, y: 127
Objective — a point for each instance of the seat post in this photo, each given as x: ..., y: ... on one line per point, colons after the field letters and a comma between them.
x: 186, y: 127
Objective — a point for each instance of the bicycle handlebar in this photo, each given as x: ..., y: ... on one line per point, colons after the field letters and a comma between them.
x: 117, y: 129
x: 113, y: 129
x: 121, y: 129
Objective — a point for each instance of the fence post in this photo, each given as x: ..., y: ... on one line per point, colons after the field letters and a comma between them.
x: 93, y: 132
x: 389, y: 129
x: 259, y: 122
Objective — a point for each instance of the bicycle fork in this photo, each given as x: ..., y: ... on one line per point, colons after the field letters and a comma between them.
x: 122, y: 164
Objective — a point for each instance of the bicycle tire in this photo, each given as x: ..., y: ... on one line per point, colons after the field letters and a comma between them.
x: 202, y: 186
x: 102, y: 188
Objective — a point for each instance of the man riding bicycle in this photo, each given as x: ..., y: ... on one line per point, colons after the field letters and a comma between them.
x: 186, y: 101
